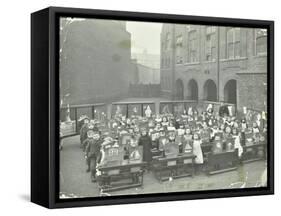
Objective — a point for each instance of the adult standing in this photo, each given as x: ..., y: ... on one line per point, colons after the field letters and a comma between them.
x: 146, y: 142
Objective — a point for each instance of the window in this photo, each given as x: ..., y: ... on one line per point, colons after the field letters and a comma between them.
x: 168, y: 41
x: 179, y: 54
x: 179, y: 41
x: 261, y: 41
x: 179, y: 58
x: 192, y: 46
x: 210, y: 46
x: 237, y: 44
x: 233, y: 43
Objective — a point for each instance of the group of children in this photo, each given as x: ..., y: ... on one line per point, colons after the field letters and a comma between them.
x: 188, y: 131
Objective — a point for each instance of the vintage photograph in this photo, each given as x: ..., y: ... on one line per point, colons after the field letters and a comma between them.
x: 149, y: 107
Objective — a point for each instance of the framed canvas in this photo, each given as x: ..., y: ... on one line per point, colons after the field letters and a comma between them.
x: 97, y: 75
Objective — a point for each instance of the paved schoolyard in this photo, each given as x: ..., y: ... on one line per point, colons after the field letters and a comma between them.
x: 75, y: 181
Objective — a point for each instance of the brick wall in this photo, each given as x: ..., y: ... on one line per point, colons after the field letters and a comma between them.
x: 252, y: 91
x: 95, y: 63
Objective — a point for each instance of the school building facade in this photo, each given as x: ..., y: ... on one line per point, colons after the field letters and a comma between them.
x: 191, y: 69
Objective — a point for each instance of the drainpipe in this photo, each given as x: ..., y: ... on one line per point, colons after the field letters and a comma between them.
x: 218, y: 63
x: 173, y: 61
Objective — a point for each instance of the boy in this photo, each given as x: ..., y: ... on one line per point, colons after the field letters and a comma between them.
x: 93, y: 155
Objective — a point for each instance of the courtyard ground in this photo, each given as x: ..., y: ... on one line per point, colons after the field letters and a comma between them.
x: 74, y: 180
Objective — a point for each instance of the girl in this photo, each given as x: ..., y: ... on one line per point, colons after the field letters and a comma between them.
x: 188, y: 141
x: 184, y: 114
x: 197, y: 151
x: 255, y: 129
x: 181, y: 130
x: 227, y: 139
x: 164, y: 122
x: 188, y: 134
x: 217, y: 146
x: 244, y: 127
x: 237, y: 141
x: 171, y: 126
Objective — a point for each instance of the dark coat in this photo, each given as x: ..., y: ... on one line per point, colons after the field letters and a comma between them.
x: 83, y: 133
x: 223, y: 110
x: 146, y: 143
x: 93, y: 147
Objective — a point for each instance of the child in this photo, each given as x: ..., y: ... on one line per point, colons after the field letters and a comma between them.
x: 256, y: 129
x: 227, y: 139
x: 217, y: 147
x: 188, y: 141
x: 237, y: 141
x: 165, y: 122
x: 93, y: 146
x: 243, y: 127
x: 197, y: 151
x: 181, y: 130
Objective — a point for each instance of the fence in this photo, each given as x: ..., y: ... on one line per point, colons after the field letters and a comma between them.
x: 70, y: 123
x: 129, y: 109
x: 174, y: 107
x: 71, y: 116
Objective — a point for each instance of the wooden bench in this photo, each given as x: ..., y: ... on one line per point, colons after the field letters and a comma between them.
x: 119, y: 177
x: 179, y: 166
x: 222, y: 162
x: 254, y: 152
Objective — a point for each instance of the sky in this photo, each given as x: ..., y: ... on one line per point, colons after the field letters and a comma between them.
x: 145, y: 36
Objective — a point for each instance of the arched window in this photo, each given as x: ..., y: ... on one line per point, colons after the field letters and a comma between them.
x: 261, y: 41
x: 230, y: 91
x: 179, y: 89
x: 192, y: 90
x: 210, y: 90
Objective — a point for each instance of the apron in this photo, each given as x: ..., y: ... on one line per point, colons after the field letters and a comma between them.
x: 197, y: 151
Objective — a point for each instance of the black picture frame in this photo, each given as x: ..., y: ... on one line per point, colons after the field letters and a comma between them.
x: 45, y: 107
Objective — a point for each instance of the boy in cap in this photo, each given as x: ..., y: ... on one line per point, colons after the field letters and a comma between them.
x: 93, y: 146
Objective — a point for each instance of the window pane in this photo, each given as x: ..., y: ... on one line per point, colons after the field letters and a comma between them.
x: 237, y: 49
x: 230, y: 35
x: 230, y: 50
x: 237, y: 34
x: 213, y: 51
x: 192, y: 41
x: 261, y: 45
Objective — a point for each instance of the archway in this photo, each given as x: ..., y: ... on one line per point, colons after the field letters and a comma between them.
x: 192, y: 90
x: 179, y: 89
x: 230, y: 91
x: 210, y: 90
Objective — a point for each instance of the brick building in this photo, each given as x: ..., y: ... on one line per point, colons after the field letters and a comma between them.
x: 95, y: 61
x: 190, y: 68
x: 148, y: 67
